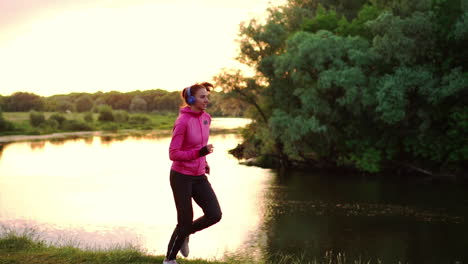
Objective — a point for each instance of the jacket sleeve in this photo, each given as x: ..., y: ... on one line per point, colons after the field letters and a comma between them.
x: 175, y: 149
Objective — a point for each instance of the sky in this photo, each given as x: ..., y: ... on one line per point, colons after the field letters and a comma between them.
x: 61, y: 46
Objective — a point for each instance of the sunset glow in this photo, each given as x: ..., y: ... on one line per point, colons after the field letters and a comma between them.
x: 123, y: 45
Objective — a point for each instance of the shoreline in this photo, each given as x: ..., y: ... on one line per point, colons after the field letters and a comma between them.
x: 84, y: 134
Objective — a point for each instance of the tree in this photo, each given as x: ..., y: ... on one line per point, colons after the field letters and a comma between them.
x: 105, y: 113
x: 377, y: 88
x: 138, y: 104
x: 23, y: 102
x: 84, y: 104
x: 167, y: 102
x: 65, y: 106
x: 2, y: 102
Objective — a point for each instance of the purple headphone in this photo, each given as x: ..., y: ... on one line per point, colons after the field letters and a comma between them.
x: 190, y: 98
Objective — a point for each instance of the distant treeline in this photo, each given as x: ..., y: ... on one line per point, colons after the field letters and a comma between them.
x: 157, y: 100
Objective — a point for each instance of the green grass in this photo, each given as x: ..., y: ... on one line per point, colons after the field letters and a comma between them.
x: 28, y: 248
x: 22, y: 126
x: 18, y: 117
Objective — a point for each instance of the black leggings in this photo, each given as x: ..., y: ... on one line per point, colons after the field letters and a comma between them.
x: 184, y: 188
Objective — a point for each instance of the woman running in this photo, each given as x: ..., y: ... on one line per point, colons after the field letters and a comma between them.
x: 188, y: 149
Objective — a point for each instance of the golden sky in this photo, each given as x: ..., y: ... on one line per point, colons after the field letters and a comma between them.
x: 61, y: 46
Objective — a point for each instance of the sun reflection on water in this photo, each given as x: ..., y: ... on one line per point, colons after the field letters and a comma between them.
x: 100, y: 192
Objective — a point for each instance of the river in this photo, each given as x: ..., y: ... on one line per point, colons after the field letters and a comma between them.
x: 100, y: 191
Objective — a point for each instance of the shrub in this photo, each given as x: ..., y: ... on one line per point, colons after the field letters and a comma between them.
x: 58, y: 117
x: 88, y: 117
x: 105, y: 113
x: 36, y: 118
x: 5, y: 125
x: 51, y: 123
x: 120, y: 116
x: 110, y: 127
x: 76, y: 125
x: 139, y: 119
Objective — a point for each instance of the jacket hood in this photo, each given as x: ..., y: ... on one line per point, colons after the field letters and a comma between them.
x: 188, y: 110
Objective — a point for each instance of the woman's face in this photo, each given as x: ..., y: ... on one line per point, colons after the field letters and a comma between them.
x: 201, y: 100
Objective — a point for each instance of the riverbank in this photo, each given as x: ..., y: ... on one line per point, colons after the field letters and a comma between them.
x: 27, y: 248
x: 157, y: 125
x: 52, y: 125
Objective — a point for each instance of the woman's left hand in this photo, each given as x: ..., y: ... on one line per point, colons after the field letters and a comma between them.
x: 210, y: 148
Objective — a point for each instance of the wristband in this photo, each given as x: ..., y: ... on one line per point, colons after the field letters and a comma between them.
x: 203, y: 151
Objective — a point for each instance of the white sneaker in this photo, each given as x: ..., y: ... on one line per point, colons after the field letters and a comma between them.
x: 184, y: 250
x: 170, y: 261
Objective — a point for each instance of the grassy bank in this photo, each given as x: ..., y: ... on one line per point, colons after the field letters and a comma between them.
x: 73, y: 122
x: 28, y: 248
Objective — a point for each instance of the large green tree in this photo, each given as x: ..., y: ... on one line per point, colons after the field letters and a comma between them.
x: 381, y: 86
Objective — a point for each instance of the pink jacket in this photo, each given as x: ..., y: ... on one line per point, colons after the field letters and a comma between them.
x: 190, y: 134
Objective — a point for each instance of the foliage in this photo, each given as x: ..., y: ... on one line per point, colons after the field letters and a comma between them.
x: 155, y: 100
x: 58, y: 117
x: 5, y: 125
x: 120, y: 116
x: 64, y: 106
x: 18, y: 123
x: 105, y: 113
x: 138, y: 104
x: 36, y: 118
x: 84, y: 103
x: 167, y: 102
x: 158, y: 100
x: 22, y: 102
x: 88, y: 117
x: 139, y: 119
x: 385, y: 84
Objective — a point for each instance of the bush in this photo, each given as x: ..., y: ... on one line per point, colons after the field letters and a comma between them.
x: 5, y: 125
x: 58, y: 117
x: 105, y: 113
x: 110, y: 127
x: 51, y: 123
x: 139, y: 119
x: 88, y: 117
x: 36, y: 118
x: 76, y: 125
x: 120, y: 116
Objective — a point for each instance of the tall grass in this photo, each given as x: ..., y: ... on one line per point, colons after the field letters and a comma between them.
x: 28, y: 248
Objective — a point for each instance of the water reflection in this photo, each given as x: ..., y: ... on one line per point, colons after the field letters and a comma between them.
x: 310, y: 214
x: 37, y: 145
x: 108, y: 191
x: 98, y: 191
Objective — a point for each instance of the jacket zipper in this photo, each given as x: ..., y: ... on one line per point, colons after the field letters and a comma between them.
x: 201, y: 134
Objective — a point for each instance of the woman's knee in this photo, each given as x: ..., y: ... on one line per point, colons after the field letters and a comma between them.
x: 215, y: 217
